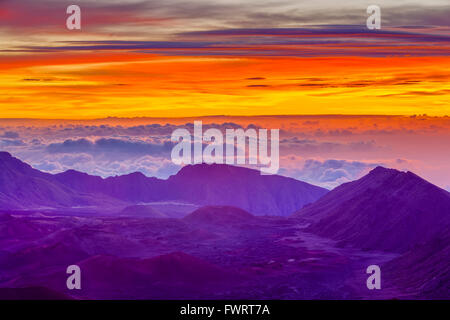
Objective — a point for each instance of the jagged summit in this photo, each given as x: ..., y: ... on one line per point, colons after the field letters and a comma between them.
x: 378, y: 209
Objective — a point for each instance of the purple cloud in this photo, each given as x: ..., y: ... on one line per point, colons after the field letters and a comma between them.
x: 111, y: 145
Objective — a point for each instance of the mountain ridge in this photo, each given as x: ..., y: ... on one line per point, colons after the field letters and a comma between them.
x: 201, y: 184
x: 376, y: 210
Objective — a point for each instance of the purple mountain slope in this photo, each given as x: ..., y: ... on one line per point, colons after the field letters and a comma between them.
x: 133, y: 187
x: 386, y: 210
x: 22, y: 187
x: 216, y: 252
x: 424, y: 269
x: 244, y: 188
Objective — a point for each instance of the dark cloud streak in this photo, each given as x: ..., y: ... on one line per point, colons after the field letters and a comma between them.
x: 302, y: 42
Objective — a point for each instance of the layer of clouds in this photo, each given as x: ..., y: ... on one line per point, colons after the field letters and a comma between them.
x: 331, y: 172
x: 312, y: 149
x: 295, y: 145
x: 111, y: 146
x: 105, y: 167
x: 10, y: 135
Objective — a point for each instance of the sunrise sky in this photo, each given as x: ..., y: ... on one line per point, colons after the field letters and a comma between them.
x: 173, y: 58
x: 189, y: 58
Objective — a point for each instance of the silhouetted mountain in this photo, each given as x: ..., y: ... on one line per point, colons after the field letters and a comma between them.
x: 24, y: 187
x: 205, y: 185
x: 80, y: 181
x: 21, y: 186
x: 133, y: 187
x: 385, y: 210
x: 226, y: 185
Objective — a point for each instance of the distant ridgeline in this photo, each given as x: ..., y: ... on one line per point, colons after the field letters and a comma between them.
x: 22, y: 187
